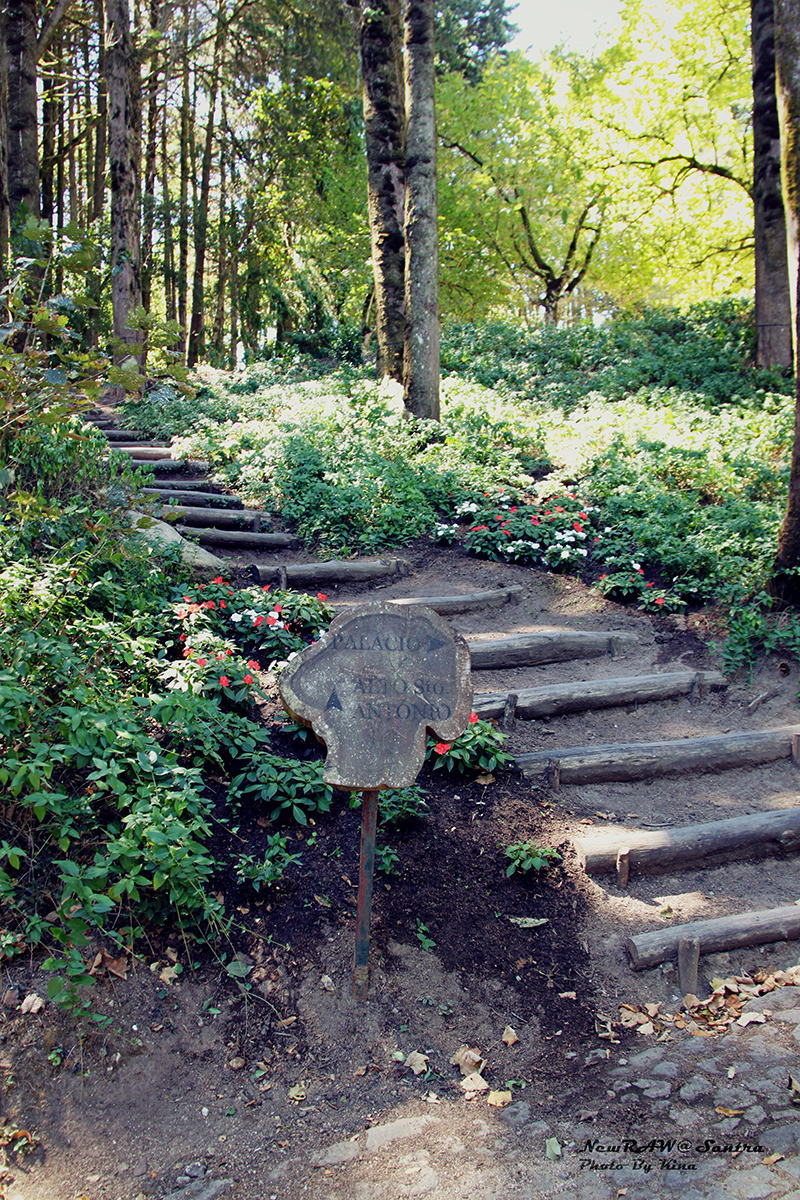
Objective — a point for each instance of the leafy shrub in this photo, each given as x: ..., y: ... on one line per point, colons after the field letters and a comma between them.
x: 285, y: 783
x: 479, y: 748
x: 526, y: 856
x: 272, y: 867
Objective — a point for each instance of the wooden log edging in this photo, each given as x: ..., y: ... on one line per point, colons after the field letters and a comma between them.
x: 557, y: 698
x: 465, y: 602
x: 333, y: 571
x: 216, y: 518
x: 190, y: 493
x: 626, y: 762
x: 235, y: 538
x: 667, y: 849
x: 551, y: 645
x: 722, y: 933
x: 149, y: 452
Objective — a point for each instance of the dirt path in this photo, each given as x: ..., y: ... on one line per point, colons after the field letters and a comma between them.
x: 191, y: 1086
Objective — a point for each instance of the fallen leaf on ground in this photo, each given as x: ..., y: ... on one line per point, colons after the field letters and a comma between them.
x: 469, y: 1059
x: 326, y: 983
x: 528, y: 922
x: 771, y: 1159
x: 474, y: 1083
x: 728, y: 1112
x: 510, y: 1036
x: 417, y: 1062
x: 169, y: 974
x: 286, y: 1022
x: 431, y: 1098
x: 484, y: 780
x: 297, y: 1093
x: 172, y: 954
x: 647, y: 1028
x: 568, y: 995
x: 360, y: 1071
x: 552, y: 1148
x: 499, y: 1099
x: 32, y: 1003
x: 751, y: 1018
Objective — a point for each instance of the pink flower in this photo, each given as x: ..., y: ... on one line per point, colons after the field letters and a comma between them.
x: 270, y: 620
x: 223, y: 681
x: 559, y: 508
x: 442, y: 747
x: 201, y: 662
x: 473, y: 717
x: 248, y: 679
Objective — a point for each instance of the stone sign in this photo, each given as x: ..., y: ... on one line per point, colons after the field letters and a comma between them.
x: 372, y: 687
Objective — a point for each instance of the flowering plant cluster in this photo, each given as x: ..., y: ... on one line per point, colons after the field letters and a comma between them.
x: 211, y: 667
x: 479, y: 748
x: 632, y: 584
x: 555, y: 533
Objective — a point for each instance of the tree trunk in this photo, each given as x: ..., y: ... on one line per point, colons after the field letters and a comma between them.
x: 381, y: 66
x: 196, y: 346
x: 217, y: 335
x: 149, y: 194
x: 123, y: 128
x: 169, y: 243
x: 787, y: 56
x: 4, y: 205
x: 421, y: 358
x: 50, y: 104
x: 99, y: 179
x: 183, y: 217
x: 773, y: 303
x: 23, y: 127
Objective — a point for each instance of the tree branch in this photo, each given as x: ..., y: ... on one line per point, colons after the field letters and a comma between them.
x: 50, y: 25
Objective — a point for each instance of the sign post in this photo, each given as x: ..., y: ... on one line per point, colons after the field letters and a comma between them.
x: 371, y: 688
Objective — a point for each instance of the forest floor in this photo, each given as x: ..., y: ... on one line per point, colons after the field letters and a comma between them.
x: 185, y: 1083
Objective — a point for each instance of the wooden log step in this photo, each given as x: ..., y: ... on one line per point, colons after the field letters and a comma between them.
x: 149, y: 452
x: 129, y: 437
x: 216, y: 518
x: 551, y: 645
x: 723, y: 933
x: 651, y: 851
x: 639, y: 760
x: 184, y: 493
x: 172, y: 486
x: 465, y: 603
x: 174, y: 466
x: 598, y: 693
x: 229, y: 537
x: 332, y: 571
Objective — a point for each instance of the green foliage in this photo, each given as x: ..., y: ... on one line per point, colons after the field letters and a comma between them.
x: 386, y: 860
x: 272, y: 867
x: 526, y: 856
x: 753, y: 632
x: 395, y: 806
x: 288, y: 785
x: 424, y: 936
x: 479, y: 748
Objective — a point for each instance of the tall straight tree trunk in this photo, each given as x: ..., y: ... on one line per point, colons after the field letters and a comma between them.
x: 88, y: 145
x: 183, y: 217
x: 99, y: 174
x: 50, y: 103
x: 787, y: 58
x: 169, y: 243
x: 23, y: 127
x: 196, y: 346
x: 60, y: 191
x: 421, y: 359
x: 123, y: 127
x: 217, y: 335
x: 773, y: 302
x: 149, y: 194
x: 4, y: 204
x: 382, y: 72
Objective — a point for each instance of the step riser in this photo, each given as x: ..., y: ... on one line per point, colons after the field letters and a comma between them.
x: 533, y: 703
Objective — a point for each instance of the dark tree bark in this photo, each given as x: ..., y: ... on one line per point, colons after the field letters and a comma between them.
x: 23, y: 128
x: 382, y: 72
x: 421, y: 358
x: 773, y: 304
x: 149, y: 193
x: 4, y: 202
x: 196, y: 346
x: 123, y: 131
x: 170, y: 296
x: 182, y: 282
x: 99, y: 173
x: 50, y: 106
x: 787, y: 57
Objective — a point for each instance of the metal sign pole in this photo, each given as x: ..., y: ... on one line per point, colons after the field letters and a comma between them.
x: 364, y: 910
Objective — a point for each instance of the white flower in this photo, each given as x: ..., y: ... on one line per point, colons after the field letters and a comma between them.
x: 565, y: 553
x: 236, y: 617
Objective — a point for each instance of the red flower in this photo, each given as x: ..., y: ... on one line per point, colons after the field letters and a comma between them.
x: 649, y: 585
x: 442, y: 747
x: 210, y: 604
x: 265, y: 588
x: 321, y: 596
x: 577, y: 525
x: 659, y: 599
x: 248, y: 679
x: 201, y: 662
x: 584, y: 516
x: 535, y: 521
x: 182, y: 638
x: 223, y: 681
x: 513, y: 508
x: 640, y: 570
x: 217, y: 580
x: 602, y: 576
x: 559, y: 508
x: 252, y: 664
x: 270, y: 620
x: 222, y: 604
x: 257, y: 621
x: 473, y: 717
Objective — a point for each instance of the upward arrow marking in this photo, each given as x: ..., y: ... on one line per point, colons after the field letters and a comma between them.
x: 333, y: 701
